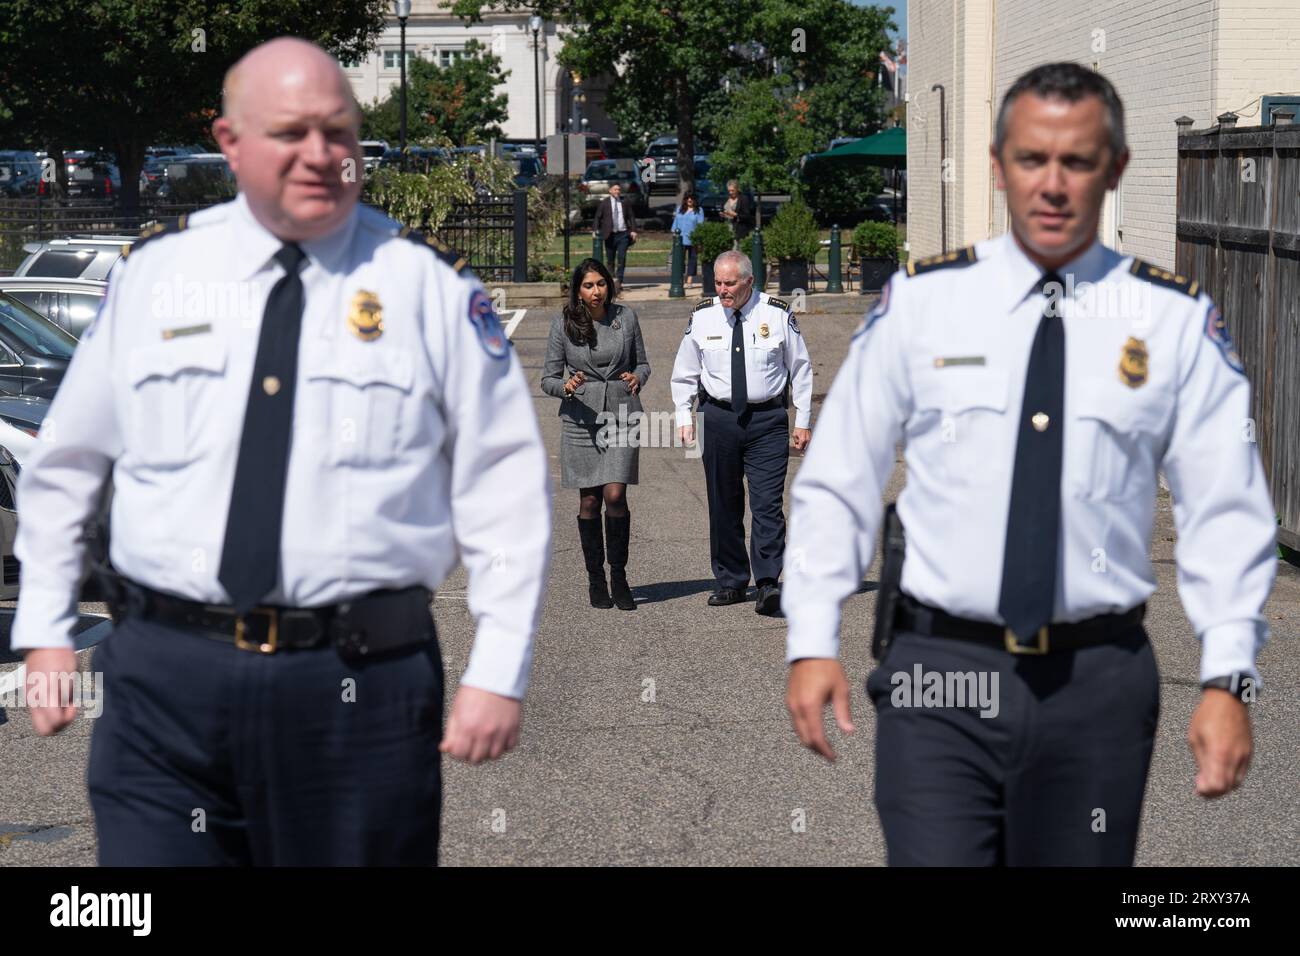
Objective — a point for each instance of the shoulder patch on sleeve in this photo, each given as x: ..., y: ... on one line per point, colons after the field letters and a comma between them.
x: 487, y: 326
x: 794, y: 324
x: 704, y: 304
x: 1170, y: 280
x: 953, y: 260
x: 440, y: 249
x: 161, y: 228
x: 1216, y: 330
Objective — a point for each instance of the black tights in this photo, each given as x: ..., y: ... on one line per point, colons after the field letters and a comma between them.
x: 614, y: 495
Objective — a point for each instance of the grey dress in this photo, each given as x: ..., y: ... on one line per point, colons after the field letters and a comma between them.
x: 600, y: 433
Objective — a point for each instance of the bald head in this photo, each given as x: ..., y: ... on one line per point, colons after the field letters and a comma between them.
x: 289, y: 128
x: 283, y: 65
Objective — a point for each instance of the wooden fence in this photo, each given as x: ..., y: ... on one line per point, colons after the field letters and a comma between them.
x: 1239, y: 234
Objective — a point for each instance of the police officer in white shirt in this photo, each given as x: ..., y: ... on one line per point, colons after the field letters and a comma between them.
x: 737, y: 357
x: 307, y: 417
x: 1038, y: 383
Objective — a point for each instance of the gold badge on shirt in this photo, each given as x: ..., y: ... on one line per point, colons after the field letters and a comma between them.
x: 1133, y: 363
x: 763, y: 330
x: 366, y: 316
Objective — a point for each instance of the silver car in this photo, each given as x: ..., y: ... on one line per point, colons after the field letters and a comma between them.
x: 83, y: 257
x: 71, y: 304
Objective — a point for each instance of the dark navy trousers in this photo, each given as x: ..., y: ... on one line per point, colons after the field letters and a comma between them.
x: 753, y: 446
x: 1056, y: 778
x: 206, y: 755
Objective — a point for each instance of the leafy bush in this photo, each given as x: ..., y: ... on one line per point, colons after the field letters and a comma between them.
x: 711, y: 239
x: 875, y: 240
x: 792, y: 234
x: 838, y: 192
x: 747, y: 246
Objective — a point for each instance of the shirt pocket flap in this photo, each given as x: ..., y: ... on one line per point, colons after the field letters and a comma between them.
x: 166, y: 359
x: 1123, y: 409
x: 360, y: 368
x: 960, y: 389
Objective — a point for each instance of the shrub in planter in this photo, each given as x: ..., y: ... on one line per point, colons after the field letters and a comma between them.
x: 875, y: 246
x: 793, y: 240
x: 711, y: 239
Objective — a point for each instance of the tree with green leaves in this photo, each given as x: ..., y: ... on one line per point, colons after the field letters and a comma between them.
x: 459, y: 102
x: 762, y: 137
x: 680, y: 64
x: 121, y: 75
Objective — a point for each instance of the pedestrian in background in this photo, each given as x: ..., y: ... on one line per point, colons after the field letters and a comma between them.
x: 596, y: 363
x: 615, y: 223
x: 738, y: 212
x: 685, y: 219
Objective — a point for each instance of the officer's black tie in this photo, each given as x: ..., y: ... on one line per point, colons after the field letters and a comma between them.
x: 1034, y: 521
x: 739, y: 387
x: 250, y: 556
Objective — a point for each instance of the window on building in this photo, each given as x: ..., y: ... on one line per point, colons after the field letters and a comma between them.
x: 354, y: 64
x: 392, y: 59
x: 447, y: 57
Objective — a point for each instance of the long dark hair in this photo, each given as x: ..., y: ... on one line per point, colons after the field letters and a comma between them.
x: 578, y: 325
x: 686, y: 197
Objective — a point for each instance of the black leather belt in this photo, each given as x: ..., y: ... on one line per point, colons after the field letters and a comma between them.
x: 929, y: 621
x: 752, y: 406
x: 379, y: 622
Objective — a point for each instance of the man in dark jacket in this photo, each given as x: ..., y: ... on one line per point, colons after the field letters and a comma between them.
x: 616, y: 225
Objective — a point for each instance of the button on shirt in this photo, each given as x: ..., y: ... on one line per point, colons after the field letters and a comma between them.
x: 704, y: 357
x: 940, y: 365
x: 414, y: 441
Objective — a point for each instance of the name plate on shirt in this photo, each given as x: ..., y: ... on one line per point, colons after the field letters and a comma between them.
x: 186, y: 330
x: 958, y: 360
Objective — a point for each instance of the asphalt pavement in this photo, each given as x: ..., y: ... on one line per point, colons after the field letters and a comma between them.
x: 660, y: 737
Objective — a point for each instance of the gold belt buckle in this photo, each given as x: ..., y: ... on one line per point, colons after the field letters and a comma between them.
x: 1015, y: 647
x: 272, y: 632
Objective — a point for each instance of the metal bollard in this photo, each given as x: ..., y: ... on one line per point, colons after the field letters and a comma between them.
x: 834, y: 283
x: 756, y: 260
x: 675, y: 290
x: 597, y: 249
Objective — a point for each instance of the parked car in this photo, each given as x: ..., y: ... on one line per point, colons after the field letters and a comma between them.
x: 71, y: 304
x: 20, y: 171
x: 661, y: 158
x: 90, y: 176
x: 419, y: 159
x: 34, y: 352
x: 78, y: 257
x: 203, y: 177
x: 604, y: 173
x: 372, y: 151
x: 9, y: 565
x: 528, y: 170
x: 23, y: 412
x: 152, y: 176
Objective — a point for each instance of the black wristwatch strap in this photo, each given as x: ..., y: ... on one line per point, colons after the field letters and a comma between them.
x: 1239, y: 684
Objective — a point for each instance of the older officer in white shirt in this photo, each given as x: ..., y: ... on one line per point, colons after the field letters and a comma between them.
x: 737, y: 356
x: 1038, y: 382
x: 308, y: 417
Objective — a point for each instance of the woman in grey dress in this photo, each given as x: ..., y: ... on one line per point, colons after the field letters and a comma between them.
x: 596, y: 363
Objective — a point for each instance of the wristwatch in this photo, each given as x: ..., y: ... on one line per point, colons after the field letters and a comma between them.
x: 1239, y: 684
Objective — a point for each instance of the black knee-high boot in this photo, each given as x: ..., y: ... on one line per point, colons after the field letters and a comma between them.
x: 617, y: 533
x: 593, y: 551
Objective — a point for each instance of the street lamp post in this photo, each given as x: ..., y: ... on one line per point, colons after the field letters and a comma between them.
x: 403, y: 10
x: 535, y: 24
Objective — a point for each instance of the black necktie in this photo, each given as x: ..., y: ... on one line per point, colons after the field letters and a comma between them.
x: 250, y: 557
x: 739, y: 387
x: 1034, y: 520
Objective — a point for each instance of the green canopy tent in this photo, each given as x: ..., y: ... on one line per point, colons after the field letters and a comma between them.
x: 887, y: 148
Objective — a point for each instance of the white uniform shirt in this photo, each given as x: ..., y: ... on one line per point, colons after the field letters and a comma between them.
x: 940, y: 365
x: 410, y: 450
x: 774, y: 351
